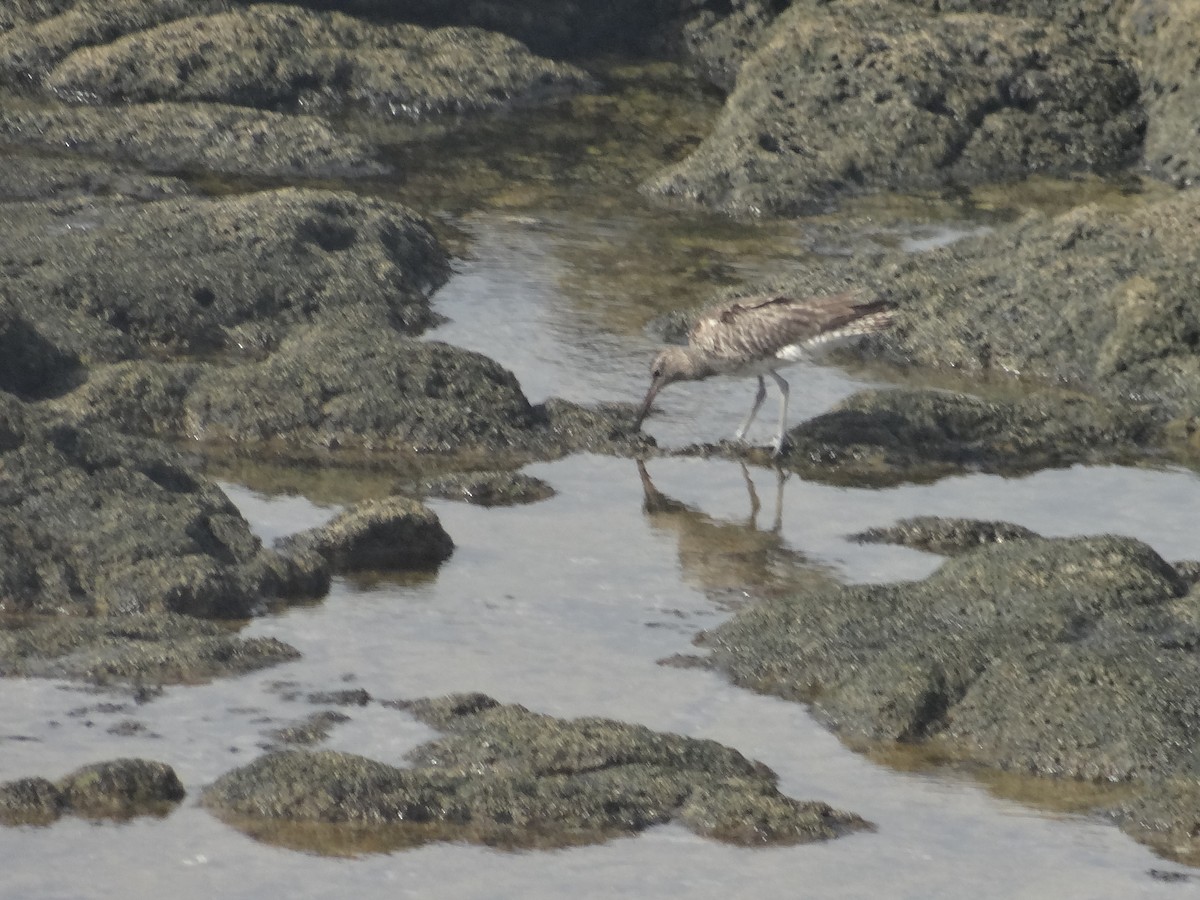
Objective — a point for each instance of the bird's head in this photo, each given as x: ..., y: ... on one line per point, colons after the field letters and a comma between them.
x: 671, y: 365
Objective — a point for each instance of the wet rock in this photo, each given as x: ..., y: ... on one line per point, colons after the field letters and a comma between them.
x: 236, y: 272
x: 379, y: 535
x: 506, y: 775
x: 871, y: 96
x: 49, y: 31
x: 718, y: 40
x: 32, y: 365
x: 286, y: 58
x: 41, y: 178
x: 1071, y: 658
x: 137, y: 649
x: 29, y: 801
x: 886, y: 436
x: 488, y: 488
x: 949, y: 537
x: 334, y: 386
x: 173, y: 137
x: 95, y: 523
x: 121, y: 788
x: 311, y: 730
x: 346, y: 697
x: 1096, y: 297
x: 1166, y: 37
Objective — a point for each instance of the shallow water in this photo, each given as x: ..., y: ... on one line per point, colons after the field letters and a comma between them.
x: 565, y: 606
x: 568, y: 605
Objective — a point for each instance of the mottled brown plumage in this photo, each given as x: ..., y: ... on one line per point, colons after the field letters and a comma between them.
x: 758, y: 335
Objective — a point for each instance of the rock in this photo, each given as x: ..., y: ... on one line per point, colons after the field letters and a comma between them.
x: 311, y: 730
x: 344, y: 697
x: 1167, y: 40
x: 42, y: 178
x: 949, y: 537
x: 379, y: 535
x: 288, y: 59
x: 333, y: 386
x: 232, y: 273
x: 506, y: 775
x: 32, y: 366
x: 1072, y: 658
x: 94, y: 523
x: 488, y: 488
x: 718, y: 40
x: 1098, y: 298
x: 886, y: 436
x: 876, y: 95
x: 173, y: 137
x: 30, y: 801
x: 51, y: 30
x: 138, y: 649
x: 121, y: 788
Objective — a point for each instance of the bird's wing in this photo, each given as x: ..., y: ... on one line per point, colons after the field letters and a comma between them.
x: 757, y: 327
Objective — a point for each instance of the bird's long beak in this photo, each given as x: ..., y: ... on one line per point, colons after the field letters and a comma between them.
x: 645, y: 410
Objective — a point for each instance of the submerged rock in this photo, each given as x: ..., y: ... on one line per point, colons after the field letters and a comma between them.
x: 871, y: 95
x: 311, y: 730
x: 505, y: 775
x: 121, y: 789
x: 378, y: 535
x: 938, y: 534
x: 1060, y: 657
x: 487, y: 488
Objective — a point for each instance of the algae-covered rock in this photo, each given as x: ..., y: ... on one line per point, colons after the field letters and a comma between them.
x: 43, y: 178
x: 868, y: 96
x: 506, y: 775
x: 487, y: 488
x: 334, y: 386
x: 1097, y: 297
x: 173, y: 137
x: 286, y: 58
x: 139, y: 649
x: 229, y: 273
x: 308, y: 731
x: 94, y: 523
x: 379, y: 535
x: 51, y: 29
x: 121, y: 788
x: 1000, y: 651
x: 1071, y: 657
x: 29, y: 801
x: 886, y: 436
x: 938, y: 534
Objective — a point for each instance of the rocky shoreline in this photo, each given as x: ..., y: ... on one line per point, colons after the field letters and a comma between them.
x: 153, y: 315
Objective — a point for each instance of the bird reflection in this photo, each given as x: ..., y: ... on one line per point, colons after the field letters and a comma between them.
x: 732, y: 562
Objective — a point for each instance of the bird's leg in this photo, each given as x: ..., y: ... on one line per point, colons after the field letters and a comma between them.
x: 758, y: 401
x: 781, y: 438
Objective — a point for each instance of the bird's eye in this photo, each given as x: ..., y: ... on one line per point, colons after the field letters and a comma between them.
x: 656, y: 372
